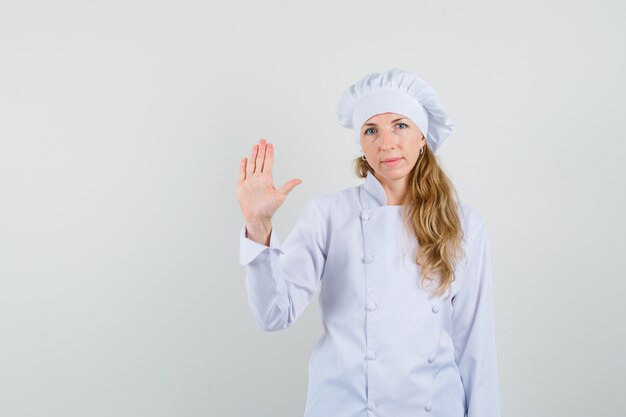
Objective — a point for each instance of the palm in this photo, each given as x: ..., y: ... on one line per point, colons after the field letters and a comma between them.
x: 258, y: 197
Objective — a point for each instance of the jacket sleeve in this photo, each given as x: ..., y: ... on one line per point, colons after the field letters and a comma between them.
x: 281, y: 279
x: 473, y: 330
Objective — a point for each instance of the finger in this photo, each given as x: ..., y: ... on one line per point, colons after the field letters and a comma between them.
x: 288, y: 186
x: 269, y: 159
x: 242, y: 169
x: 260, y: 157
x: 251, y: 161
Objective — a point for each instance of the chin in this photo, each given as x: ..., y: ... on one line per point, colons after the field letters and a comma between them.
x: 391, y: 176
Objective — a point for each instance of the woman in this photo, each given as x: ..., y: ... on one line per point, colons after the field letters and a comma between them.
x: 404, y: 267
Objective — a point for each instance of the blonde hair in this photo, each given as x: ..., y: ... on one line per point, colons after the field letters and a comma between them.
x: 430, y: 211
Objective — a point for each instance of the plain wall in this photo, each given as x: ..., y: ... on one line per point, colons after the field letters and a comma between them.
x: 122, y: 124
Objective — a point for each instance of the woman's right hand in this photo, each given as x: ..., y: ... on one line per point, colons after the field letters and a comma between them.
x: 258, y: 198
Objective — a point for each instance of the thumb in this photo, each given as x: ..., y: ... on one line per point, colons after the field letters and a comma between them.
x: 288, y: 186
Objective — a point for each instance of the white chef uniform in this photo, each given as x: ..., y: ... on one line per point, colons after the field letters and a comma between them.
x: 389, y: 349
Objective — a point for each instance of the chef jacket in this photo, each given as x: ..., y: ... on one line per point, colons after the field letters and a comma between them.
x: 389, y: 348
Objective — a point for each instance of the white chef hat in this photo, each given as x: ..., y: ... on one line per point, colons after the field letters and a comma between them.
x: 395, y: 91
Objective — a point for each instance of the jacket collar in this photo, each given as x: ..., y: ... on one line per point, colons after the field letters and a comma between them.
x: 375, y: 190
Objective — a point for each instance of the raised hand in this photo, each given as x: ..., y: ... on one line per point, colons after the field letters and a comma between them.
x: 258, y: 198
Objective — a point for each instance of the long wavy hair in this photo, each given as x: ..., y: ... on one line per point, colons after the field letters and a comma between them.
x: 430, y: 211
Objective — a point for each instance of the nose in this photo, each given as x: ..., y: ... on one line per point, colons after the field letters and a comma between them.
x: 387, y: 139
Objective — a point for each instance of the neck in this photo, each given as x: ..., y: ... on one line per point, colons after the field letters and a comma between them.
x: 394, y: 189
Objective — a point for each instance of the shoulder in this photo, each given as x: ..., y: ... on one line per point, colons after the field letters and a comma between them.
x: 470, y: 218
x: 322, y: 212
x: 473, y: 225
x: 337, y: 201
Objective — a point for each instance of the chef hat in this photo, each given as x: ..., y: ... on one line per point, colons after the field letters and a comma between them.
x: 395, y: 91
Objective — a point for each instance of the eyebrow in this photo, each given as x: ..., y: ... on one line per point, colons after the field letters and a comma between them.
x: 374, y: 124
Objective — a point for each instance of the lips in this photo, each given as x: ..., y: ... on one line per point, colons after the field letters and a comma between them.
x: 391, y: 162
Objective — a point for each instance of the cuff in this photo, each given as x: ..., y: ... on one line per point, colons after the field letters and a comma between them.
x: 249, y: 249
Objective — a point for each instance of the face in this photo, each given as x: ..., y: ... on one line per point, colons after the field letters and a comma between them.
x: 391, y: 143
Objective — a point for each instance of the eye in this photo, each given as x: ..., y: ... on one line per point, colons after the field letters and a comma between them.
x: 367, y: 130
x: 403, y: 124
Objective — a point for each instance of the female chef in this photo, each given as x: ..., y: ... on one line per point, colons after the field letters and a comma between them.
x: 404, y: 267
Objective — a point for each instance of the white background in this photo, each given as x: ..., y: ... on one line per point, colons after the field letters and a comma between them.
x: 122, y: 124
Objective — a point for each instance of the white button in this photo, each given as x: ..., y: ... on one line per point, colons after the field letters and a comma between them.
x: 428, y: 407
x: 368, y: 259
x: 371, y: 355
x: 371, y: 306
x: 431, y: 358
x: 365, y: 216
x: 435, y: 308
x: 371, y: 405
